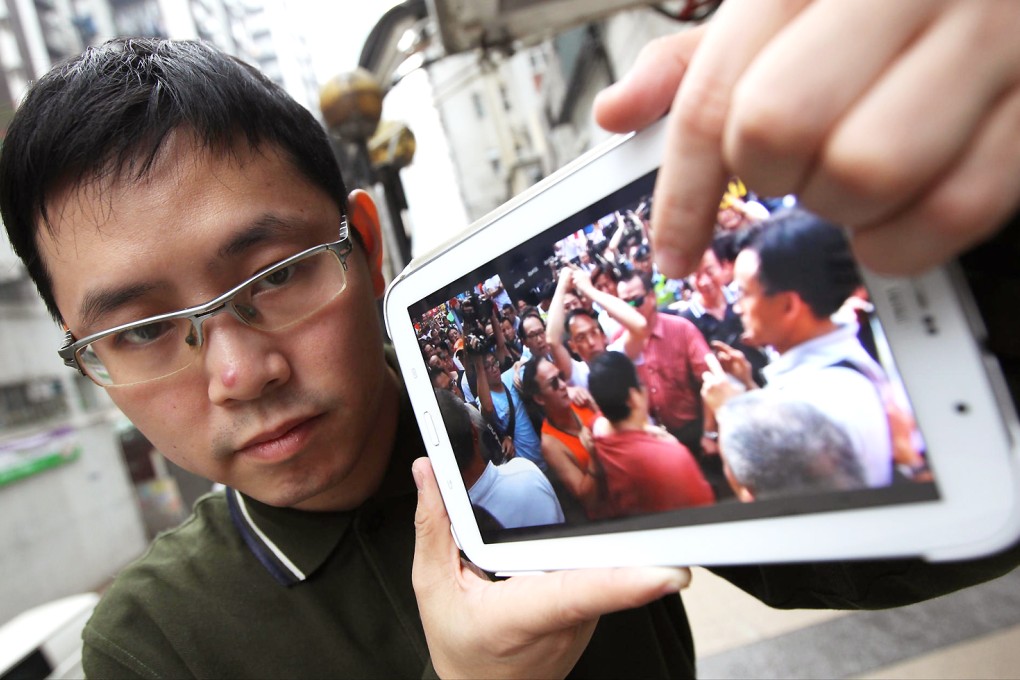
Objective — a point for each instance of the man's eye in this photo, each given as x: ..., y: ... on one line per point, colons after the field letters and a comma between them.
x: 278, y: 278
x: 143, y: 335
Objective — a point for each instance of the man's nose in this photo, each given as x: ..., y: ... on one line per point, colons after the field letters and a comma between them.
x: 241, y: 363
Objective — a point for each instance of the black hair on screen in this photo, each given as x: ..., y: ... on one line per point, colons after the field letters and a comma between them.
x: 800, y: 252
x: 610, y: 381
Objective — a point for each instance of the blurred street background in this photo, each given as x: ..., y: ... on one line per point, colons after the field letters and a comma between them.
x: 443, y: 110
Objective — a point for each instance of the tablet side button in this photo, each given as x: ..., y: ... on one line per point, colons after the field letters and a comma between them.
x: 431, y: 427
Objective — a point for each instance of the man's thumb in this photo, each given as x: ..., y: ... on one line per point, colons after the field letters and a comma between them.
x: 434, y: 548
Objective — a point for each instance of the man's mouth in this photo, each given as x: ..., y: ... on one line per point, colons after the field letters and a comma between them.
x: 279, y: 442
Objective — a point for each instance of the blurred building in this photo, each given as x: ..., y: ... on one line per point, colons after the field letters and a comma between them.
x: 35, y: 34
x: 520, y: 117
x: 514, y: 81
x: 78, y: 484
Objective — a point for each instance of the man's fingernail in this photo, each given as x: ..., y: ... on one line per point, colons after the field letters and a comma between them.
x: 419, y: 479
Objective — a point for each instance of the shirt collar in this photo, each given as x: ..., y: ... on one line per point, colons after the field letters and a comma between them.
x: 292, y: 544
x: 825, y: 350
x: 657, y: 327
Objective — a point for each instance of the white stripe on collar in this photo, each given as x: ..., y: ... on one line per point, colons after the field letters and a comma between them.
x: 284, y: 560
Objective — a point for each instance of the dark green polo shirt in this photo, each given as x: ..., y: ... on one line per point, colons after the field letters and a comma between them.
x: 245, y: 590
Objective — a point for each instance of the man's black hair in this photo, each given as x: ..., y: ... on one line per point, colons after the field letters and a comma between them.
x: 106, y: 115
x: 434, y: 374
x: 532, y: 312
x: 605, y: 268
x: 573, y: 314
x: 529, y: 378
x: 628, y: 273
x: 802, y: 253
x: 724, y: 246
x: 463, y: 437
x: 610, y: 381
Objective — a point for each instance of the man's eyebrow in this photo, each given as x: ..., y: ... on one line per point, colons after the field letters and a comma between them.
x: 98, y: 303
x: 265, y: 227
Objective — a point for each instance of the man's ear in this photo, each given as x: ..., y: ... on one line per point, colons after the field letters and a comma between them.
x: 364, y: 219
x: 634, y: 396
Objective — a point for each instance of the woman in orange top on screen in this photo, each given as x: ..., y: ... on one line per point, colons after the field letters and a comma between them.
x: 567, y: 441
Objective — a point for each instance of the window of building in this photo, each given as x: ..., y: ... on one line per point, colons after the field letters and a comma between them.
x: 16, y: 290
x: 31, y: 401
x: 476, y: 100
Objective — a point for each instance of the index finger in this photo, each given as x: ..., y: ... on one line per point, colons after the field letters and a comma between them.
x: 644, y: 95
x: 693, y: 173
x: 714, y: 366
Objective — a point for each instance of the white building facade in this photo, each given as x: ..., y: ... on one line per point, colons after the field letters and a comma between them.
x: 512, y: 120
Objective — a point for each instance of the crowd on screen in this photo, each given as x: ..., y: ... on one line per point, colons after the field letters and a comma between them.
x: 610, y: 390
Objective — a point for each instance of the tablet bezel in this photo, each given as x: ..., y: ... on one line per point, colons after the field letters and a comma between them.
x: 966, y: 416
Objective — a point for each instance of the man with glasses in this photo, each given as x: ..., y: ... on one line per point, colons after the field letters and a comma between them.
x: 577, y: 328
x: 186, y: 223
x: 670, y: 365
x: 155, y: 181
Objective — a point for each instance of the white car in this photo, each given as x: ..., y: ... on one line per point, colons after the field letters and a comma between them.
x: 45, y: 641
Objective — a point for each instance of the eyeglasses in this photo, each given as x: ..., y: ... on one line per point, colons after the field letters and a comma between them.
x: 636, y: 301
x: 557, y: 381
x: 279, y: 296
x: 535, y: 335
x: 491, y: 363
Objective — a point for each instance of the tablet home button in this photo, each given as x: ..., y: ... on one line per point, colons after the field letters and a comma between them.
x: 430, y: 426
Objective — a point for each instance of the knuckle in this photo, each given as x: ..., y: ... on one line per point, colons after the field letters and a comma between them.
x: 867, y: 172
x: 703, y: 107
x: 657, y: 49
x: 958, y: 207
x: 422, y: 524
x: 763, y: 122
x: 769, y: 153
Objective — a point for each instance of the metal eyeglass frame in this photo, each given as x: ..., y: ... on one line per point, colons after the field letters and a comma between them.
x: 200, y: 313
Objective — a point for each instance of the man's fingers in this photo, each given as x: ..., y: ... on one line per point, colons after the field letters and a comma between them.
x: 434, y: 548
x: 714, y: 366
x: 646, y: 92
x: 779, y: 120
x: 693, y: 173
x: 547, y: 603
x: 968, y: 204
x: 904, y: 134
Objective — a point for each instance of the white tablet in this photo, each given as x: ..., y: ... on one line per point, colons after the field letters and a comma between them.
x: 946, y: 478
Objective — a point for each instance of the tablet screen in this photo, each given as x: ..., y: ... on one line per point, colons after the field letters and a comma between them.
x: 615, y: 420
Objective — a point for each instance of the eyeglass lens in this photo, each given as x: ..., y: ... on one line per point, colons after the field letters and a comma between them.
x: 279, y: 298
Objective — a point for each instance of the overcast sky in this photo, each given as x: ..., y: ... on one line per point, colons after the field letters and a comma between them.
x: 335, y: 32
